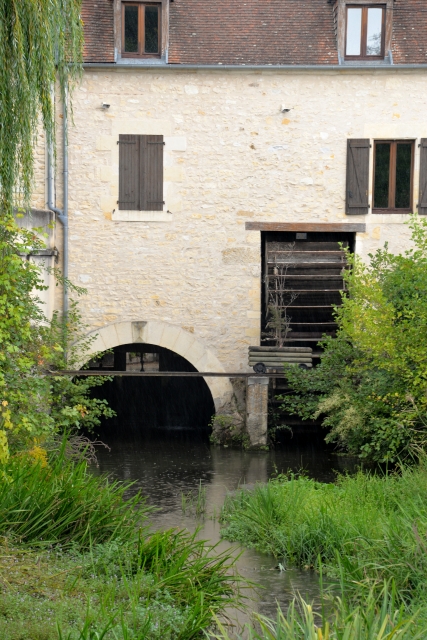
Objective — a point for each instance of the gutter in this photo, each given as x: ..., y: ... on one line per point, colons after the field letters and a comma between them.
x: 62, y: 214
x: 251, y: 67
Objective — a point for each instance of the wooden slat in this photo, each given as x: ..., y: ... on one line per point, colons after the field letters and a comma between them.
x: 129, y: 172
x: 302, y: 245
x: 357, y: 183
x: 281, y: 349
x: 313, y: 265
x: 307, y: 252
x: 152, y: 173
x: 308, y: 290
x: 422, y: 207
x: 321, y: 227
x: 307, y: 277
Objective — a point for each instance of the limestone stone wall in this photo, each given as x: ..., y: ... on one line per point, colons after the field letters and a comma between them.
x: 231, y: 156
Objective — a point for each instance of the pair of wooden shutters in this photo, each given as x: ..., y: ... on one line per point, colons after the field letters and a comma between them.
x: 357, y: 185
x: 141, y: 173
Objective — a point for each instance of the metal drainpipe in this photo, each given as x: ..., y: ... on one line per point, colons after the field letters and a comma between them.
x: 61, y: 214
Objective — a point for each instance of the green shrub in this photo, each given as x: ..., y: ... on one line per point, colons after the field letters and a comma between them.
x: 371, y: 385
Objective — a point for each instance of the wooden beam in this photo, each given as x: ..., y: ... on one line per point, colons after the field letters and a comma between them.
x: 163, y: 374
x: 323, y: 227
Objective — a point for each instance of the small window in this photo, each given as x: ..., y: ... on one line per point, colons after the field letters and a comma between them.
x: 393, y: 170
x: 365, y: 30
x: 141, y: 30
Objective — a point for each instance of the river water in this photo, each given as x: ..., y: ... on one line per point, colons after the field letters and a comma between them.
x: 166, y: 464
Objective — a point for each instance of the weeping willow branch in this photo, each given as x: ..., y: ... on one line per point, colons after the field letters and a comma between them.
x: 41, y: 42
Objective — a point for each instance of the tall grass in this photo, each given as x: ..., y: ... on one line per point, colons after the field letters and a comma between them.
x: 79, y: 561
x: 171, y: 586
x: 380, y: 618
x: 64, y: 503
x: 194, y: 502
x: 363, y: 529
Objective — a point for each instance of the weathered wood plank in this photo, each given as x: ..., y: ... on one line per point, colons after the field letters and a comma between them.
x: 331, y: 227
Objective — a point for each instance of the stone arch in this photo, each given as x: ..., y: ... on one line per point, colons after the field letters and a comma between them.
x: 171, y: 337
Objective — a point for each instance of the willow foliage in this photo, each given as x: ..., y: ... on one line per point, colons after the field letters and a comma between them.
x: 41, y: 42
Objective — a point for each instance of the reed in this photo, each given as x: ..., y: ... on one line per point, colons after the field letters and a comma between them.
x: 362, y: 530
x: 63, y: 502
x: 78, y: 561
x: 380, y: 618
x: 194, y: 502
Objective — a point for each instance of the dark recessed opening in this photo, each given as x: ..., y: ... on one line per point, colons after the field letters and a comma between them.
x: 147, y: 404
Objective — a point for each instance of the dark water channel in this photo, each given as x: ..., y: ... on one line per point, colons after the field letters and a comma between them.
x: 168, y: 463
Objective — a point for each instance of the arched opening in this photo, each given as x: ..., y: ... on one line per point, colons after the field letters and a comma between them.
x: 174, y: 338
x: 152, y: 404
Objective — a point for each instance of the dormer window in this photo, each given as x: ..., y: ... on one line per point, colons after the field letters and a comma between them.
x: 365, y: 32
x: 141, y: 29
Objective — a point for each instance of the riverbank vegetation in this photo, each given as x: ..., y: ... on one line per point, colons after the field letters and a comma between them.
x: 79, y: 561
x: 370, y: 389
x: 361, y: 533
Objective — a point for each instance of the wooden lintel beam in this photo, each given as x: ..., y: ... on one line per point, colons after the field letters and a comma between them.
x: 322, y: 227
x: 163, y: 374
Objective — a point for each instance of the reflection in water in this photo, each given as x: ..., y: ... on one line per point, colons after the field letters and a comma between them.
x: 168, y: 463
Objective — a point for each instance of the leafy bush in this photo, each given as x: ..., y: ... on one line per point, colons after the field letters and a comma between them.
x: 33, y: 405
x: 371, y: 385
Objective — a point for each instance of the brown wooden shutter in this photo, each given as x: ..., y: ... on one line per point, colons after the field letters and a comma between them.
x: 128, y: 172
x: 151, y: 185
x: 422, y: 207
x: 357, y: 185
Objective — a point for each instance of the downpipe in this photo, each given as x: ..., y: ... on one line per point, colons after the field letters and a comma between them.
x: 61, y: 214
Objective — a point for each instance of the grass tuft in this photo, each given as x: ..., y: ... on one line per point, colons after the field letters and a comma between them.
x: 363, y: 530
x: 63, y: 502
x: 79, y: 562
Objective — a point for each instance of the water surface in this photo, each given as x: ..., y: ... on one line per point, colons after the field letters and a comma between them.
x: 166, y: 464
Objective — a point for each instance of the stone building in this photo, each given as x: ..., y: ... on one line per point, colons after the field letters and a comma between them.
x: 203, y: 130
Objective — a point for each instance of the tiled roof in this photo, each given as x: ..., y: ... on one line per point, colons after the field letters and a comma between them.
x: 410, y: 32
x: 264, y: 32
x: 98, y: 19
x: 252, y: 32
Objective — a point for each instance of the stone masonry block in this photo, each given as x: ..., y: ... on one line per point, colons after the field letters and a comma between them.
x: 176, y: 143
x: 124, y: 332
x: 154, y: 332
x: 184, y: 343
x: 240, y: 255
x: 170, y: 336
x: 104, y: 143
x: 110, y: 337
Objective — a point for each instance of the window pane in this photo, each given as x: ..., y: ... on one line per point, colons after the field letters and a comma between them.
x: 403, y: 176
x: 354, y: 32
x: 131, y: 29
x: 151, y: 29
x: 375, y: 22
x: 382, y: 175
